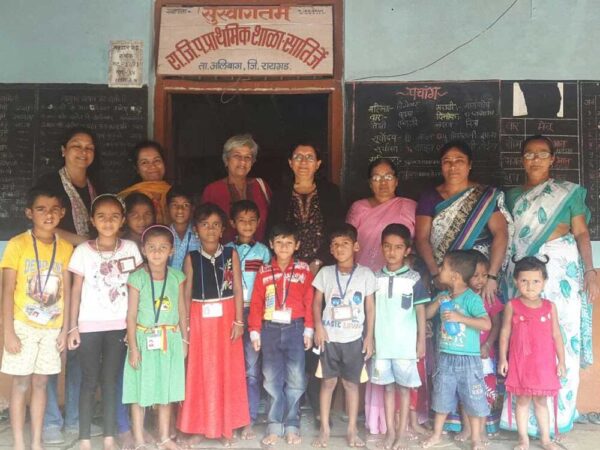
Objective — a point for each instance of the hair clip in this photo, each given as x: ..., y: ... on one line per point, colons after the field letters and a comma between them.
x: 116, y: 197
x: 157, y: 226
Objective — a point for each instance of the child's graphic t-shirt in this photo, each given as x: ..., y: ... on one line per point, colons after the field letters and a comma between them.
x: 396, y: 317
x: 466, y: 341
x: 104, y: 294
x: 349, y: 292
x: 39, y: 296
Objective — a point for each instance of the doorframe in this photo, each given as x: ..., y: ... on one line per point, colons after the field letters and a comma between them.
x: 166, y: 87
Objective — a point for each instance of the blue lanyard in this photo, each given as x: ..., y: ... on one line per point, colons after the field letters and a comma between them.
x: 286, y: 289
x: 37, y: 263
x: 162, y: 295
x: 337, y: 278
x: 212, y: 260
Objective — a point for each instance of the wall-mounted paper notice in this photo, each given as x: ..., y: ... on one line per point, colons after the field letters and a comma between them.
x: 125, y: 62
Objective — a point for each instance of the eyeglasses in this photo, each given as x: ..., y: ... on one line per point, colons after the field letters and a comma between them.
x: 530, y: 156
x: 299, y: 157
x: 242, y: 158
x: 386, y: 177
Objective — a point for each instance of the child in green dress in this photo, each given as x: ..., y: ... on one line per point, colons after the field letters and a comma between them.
x: 156, y: 335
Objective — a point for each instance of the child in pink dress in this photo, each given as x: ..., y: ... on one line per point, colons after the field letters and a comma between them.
x: 531, y: 325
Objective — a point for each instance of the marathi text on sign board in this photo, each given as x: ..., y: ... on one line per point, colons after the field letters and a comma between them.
x: 263, y: 41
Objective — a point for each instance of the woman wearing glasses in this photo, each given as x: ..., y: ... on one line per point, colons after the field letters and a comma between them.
x: 551, y: 218
x: 371, y: 215
x: 239, y: 154
x: 312, y: 206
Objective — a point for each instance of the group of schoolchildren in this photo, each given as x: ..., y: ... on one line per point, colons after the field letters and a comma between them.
x: 113, y: 290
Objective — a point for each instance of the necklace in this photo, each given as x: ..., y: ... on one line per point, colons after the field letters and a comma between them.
x: 113, y: 252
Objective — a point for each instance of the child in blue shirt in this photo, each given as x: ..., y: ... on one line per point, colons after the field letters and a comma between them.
x: 459, y: 365
x: 179, y: 204
x: 245, y: 218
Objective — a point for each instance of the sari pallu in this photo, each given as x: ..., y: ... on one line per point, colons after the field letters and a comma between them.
x: 157, y: 192
x: 460, y: 221
x: 536, y: 215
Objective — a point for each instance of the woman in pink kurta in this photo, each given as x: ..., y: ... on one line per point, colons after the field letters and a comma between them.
x: 370, y: 216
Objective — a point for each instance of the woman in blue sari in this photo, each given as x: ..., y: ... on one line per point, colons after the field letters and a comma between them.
x: 550, y: 218
x: 460, y: 214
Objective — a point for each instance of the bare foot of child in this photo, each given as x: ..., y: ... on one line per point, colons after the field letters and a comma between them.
x: 85, y: 444
x: 293, y: 439
x: 190, y: 440
x: 248, y: 433
x: 463, y: 436
x: 477, y: 445
x: 388, y: 442
x: 521, y: 446
x: 549, y: 445
x: 322, y: 440
x: 36, y: 446
x: 126, y: 441
x: 420, y: 429
x: 400, y: 444
x: 109, y: 443
x: 168, y: 444
x: 433, y: 440
x: 270, y: 440
x: 353, y: 439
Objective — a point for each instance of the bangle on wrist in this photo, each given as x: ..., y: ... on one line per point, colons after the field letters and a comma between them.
x: 72, y: 329
x: 589, y: 271
x: 239, y: 323
x: 492, y: 277
x: 187, y: 342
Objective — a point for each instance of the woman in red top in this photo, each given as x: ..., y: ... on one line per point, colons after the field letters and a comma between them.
x: 239, y: 155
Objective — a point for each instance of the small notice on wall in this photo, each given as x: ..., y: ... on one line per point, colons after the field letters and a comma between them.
x: 125, y: 64
x: 249, y: 40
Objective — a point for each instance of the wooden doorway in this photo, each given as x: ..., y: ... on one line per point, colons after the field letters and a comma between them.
x: 321, y: 99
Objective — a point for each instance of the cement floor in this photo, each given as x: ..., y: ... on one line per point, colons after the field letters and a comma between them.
x: 584, y: 437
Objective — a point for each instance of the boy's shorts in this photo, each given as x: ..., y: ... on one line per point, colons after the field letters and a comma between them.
x: 344, y: 360
x: 462, y: 375
x: 38, y: 353
x: 400, y: 371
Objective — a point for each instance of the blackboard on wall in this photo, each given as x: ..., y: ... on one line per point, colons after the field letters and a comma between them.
x: 33, y: 120
x: 409, y: 122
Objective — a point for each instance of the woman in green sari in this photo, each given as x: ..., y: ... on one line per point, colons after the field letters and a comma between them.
x: 550, y: 218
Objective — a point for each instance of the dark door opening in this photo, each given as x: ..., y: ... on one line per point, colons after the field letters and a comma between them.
x: 203, y: 122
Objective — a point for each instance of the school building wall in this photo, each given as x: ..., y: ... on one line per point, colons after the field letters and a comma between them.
x: 66, y: 41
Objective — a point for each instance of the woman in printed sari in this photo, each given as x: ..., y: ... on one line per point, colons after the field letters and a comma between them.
x: 550, y: 218
x: 460, y: 214
x: 148, y: 157
x: 370, y: 216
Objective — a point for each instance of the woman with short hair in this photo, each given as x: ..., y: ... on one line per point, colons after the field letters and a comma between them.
x: 239, y: 155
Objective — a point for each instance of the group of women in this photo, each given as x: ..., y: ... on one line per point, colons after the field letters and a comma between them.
x: 543, y: 216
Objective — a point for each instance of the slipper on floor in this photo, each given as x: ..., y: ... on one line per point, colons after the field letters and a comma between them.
x: 582, y: 419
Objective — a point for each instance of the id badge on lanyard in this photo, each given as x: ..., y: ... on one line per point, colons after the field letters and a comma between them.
x: 212, y: 310
x: 283, y: 314
x: 154, y: 339
x: 342, y: 312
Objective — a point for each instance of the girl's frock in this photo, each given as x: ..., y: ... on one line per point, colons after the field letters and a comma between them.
x: 160, y: 377
x: 532, y: 362
x: 216, y: 402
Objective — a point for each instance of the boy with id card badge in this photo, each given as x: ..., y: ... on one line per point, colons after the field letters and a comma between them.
x: 281, y: 326
x: 343, y: 329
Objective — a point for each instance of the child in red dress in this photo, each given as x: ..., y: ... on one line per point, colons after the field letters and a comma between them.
x: 531, y: 324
